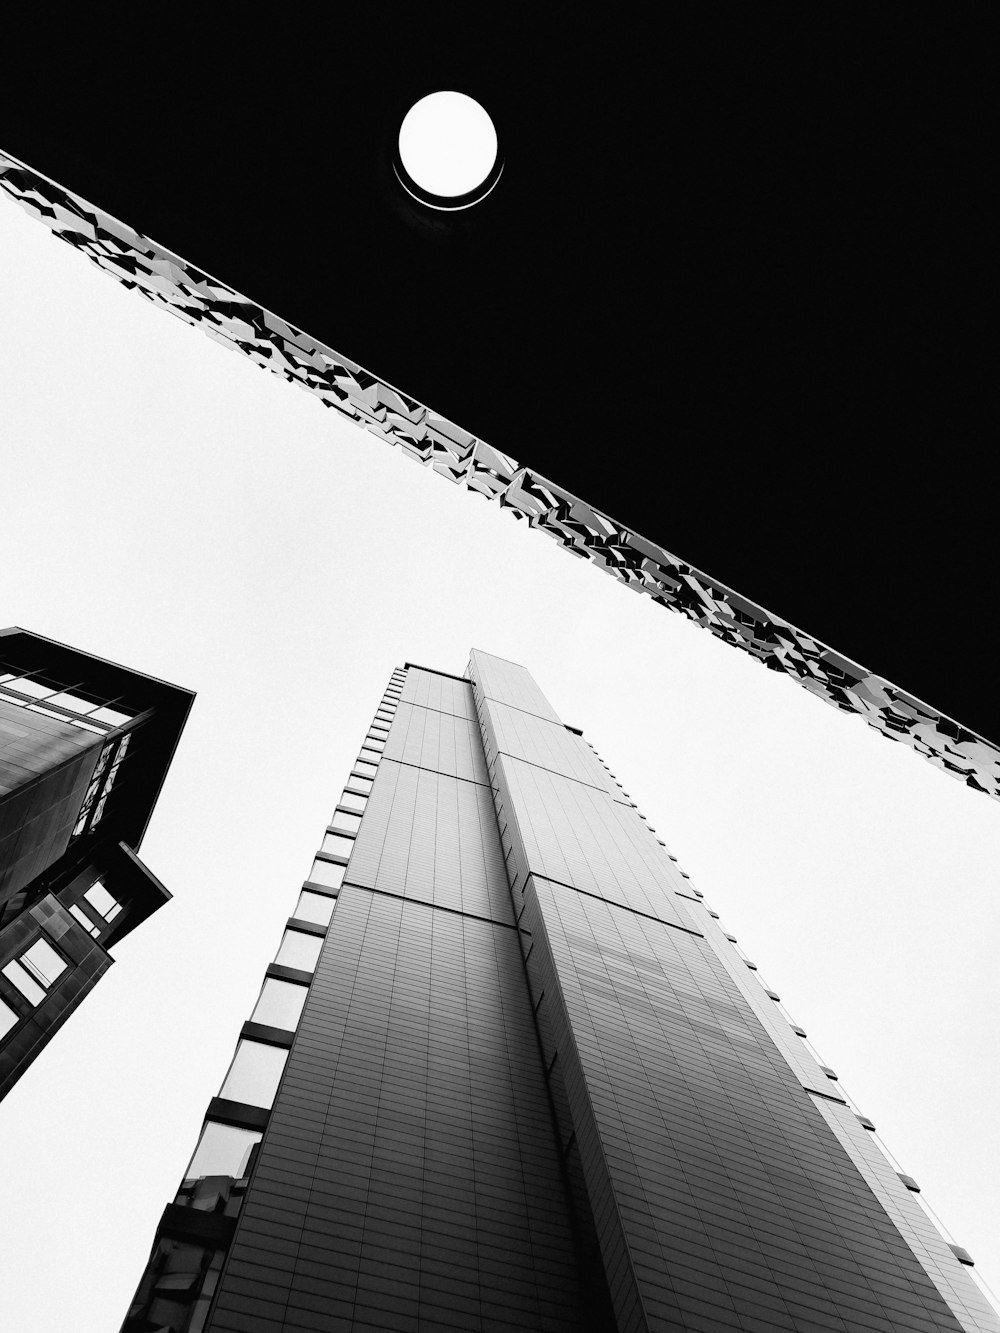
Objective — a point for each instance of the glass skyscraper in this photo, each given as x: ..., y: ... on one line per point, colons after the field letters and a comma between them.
x: 509, y: 1072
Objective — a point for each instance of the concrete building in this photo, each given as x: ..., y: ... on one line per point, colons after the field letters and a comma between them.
x: 508, y: 1072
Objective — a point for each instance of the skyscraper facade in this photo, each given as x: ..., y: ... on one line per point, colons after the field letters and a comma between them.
x: 84, y: 748
x: 508, y: 1072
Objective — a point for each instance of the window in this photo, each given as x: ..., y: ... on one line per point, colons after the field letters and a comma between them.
x: 346, y: 823
x: 73, y: 702
x: 280, y: 1004
x: 44, y: 963
x: 8, y: 1019
x: 223, y: 1150
x: 361, y: 784
x: 337, y: 844
x: 354, y: 802
x: 254, y: 1074
x: 33, y: 688
x: 17, y: 976
x: 299, y: 950
x: 102, y: 902
x: 369, y: 755
x: 111, y: 716
x: 80, y: 915
x: 367, y: 770
x: 374, y: 743
x: 326, y: 873
x: 315, y: 907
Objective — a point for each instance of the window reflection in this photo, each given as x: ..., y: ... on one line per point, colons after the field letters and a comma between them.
x: 223, y: 1150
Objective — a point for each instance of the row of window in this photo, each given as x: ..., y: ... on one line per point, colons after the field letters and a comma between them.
x: 104, y: 777
x: 34, y: 972
x: 257, y: 1066
x: 90, y: 714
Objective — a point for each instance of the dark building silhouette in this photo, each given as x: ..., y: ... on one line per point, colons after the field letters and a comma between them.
x: 84, y: 748
x: 508, y: 1072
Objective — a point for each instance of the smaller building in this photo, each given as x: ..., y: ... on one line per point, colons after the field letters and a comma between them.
x: 84, y: 748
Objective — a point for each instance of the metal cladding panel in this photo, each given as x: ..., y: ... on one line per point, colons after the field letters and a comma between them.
x: 949, y: 1276
x: 719, y: 1195
x: 443, y: 693
x: 792, y: 1047
x: 549, y: 745
x: 573, y: 833
x: 507, y: 683
x: 429, y: 738
x: 704, y: 1158
x: 434, y: 839
x: 409, y: 1176
x: 45, y: 769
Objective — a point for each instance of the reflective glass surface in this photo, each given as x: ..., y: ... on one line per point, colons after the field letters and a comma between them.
x: 346, y: 823
x: 280, y: 1004
x: 327, y: 874
x: 43, y: 962
x: 102, y: 901
x: 255, y: 1073
x: 8, y: 1019
x: 77, y: 911
x: 314, y: 907
x: 29, y: 988
x: 223, y: 1150
x: 337, y: 845
x: 299, y: 950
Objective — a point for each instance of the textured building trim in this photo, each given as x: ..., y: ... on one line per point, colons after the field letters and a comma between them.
x: 168, y: 281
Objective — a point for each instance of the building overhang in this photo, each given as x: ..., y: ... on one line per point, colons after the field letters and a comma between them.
x: 716, y: 330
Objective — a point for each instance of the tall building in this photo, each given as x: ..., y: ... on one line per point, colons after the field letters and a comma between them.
x: 84, y: 748
x: 508, y: 1072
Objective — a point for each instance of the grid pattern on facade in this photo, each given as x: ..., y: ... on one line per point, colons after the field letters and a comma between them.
x: 736, y: 1202
x: 507, y: 683
x: 445, y: 694
x: 429, y: 738
x: 720, y: 1197
x: 950, y: 1278
x: 572, y: 833
x: 553, y: 747
x: 432, y: 838
x: 408, y: 1178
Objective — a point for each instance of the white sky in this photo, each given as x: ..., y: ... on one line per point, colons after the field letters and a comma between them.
x: 171, y: 507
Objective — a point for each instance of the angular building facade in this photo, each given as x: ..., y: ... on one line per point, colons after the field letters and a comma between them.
x: 84, y: 748
x: 508, y: 1072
